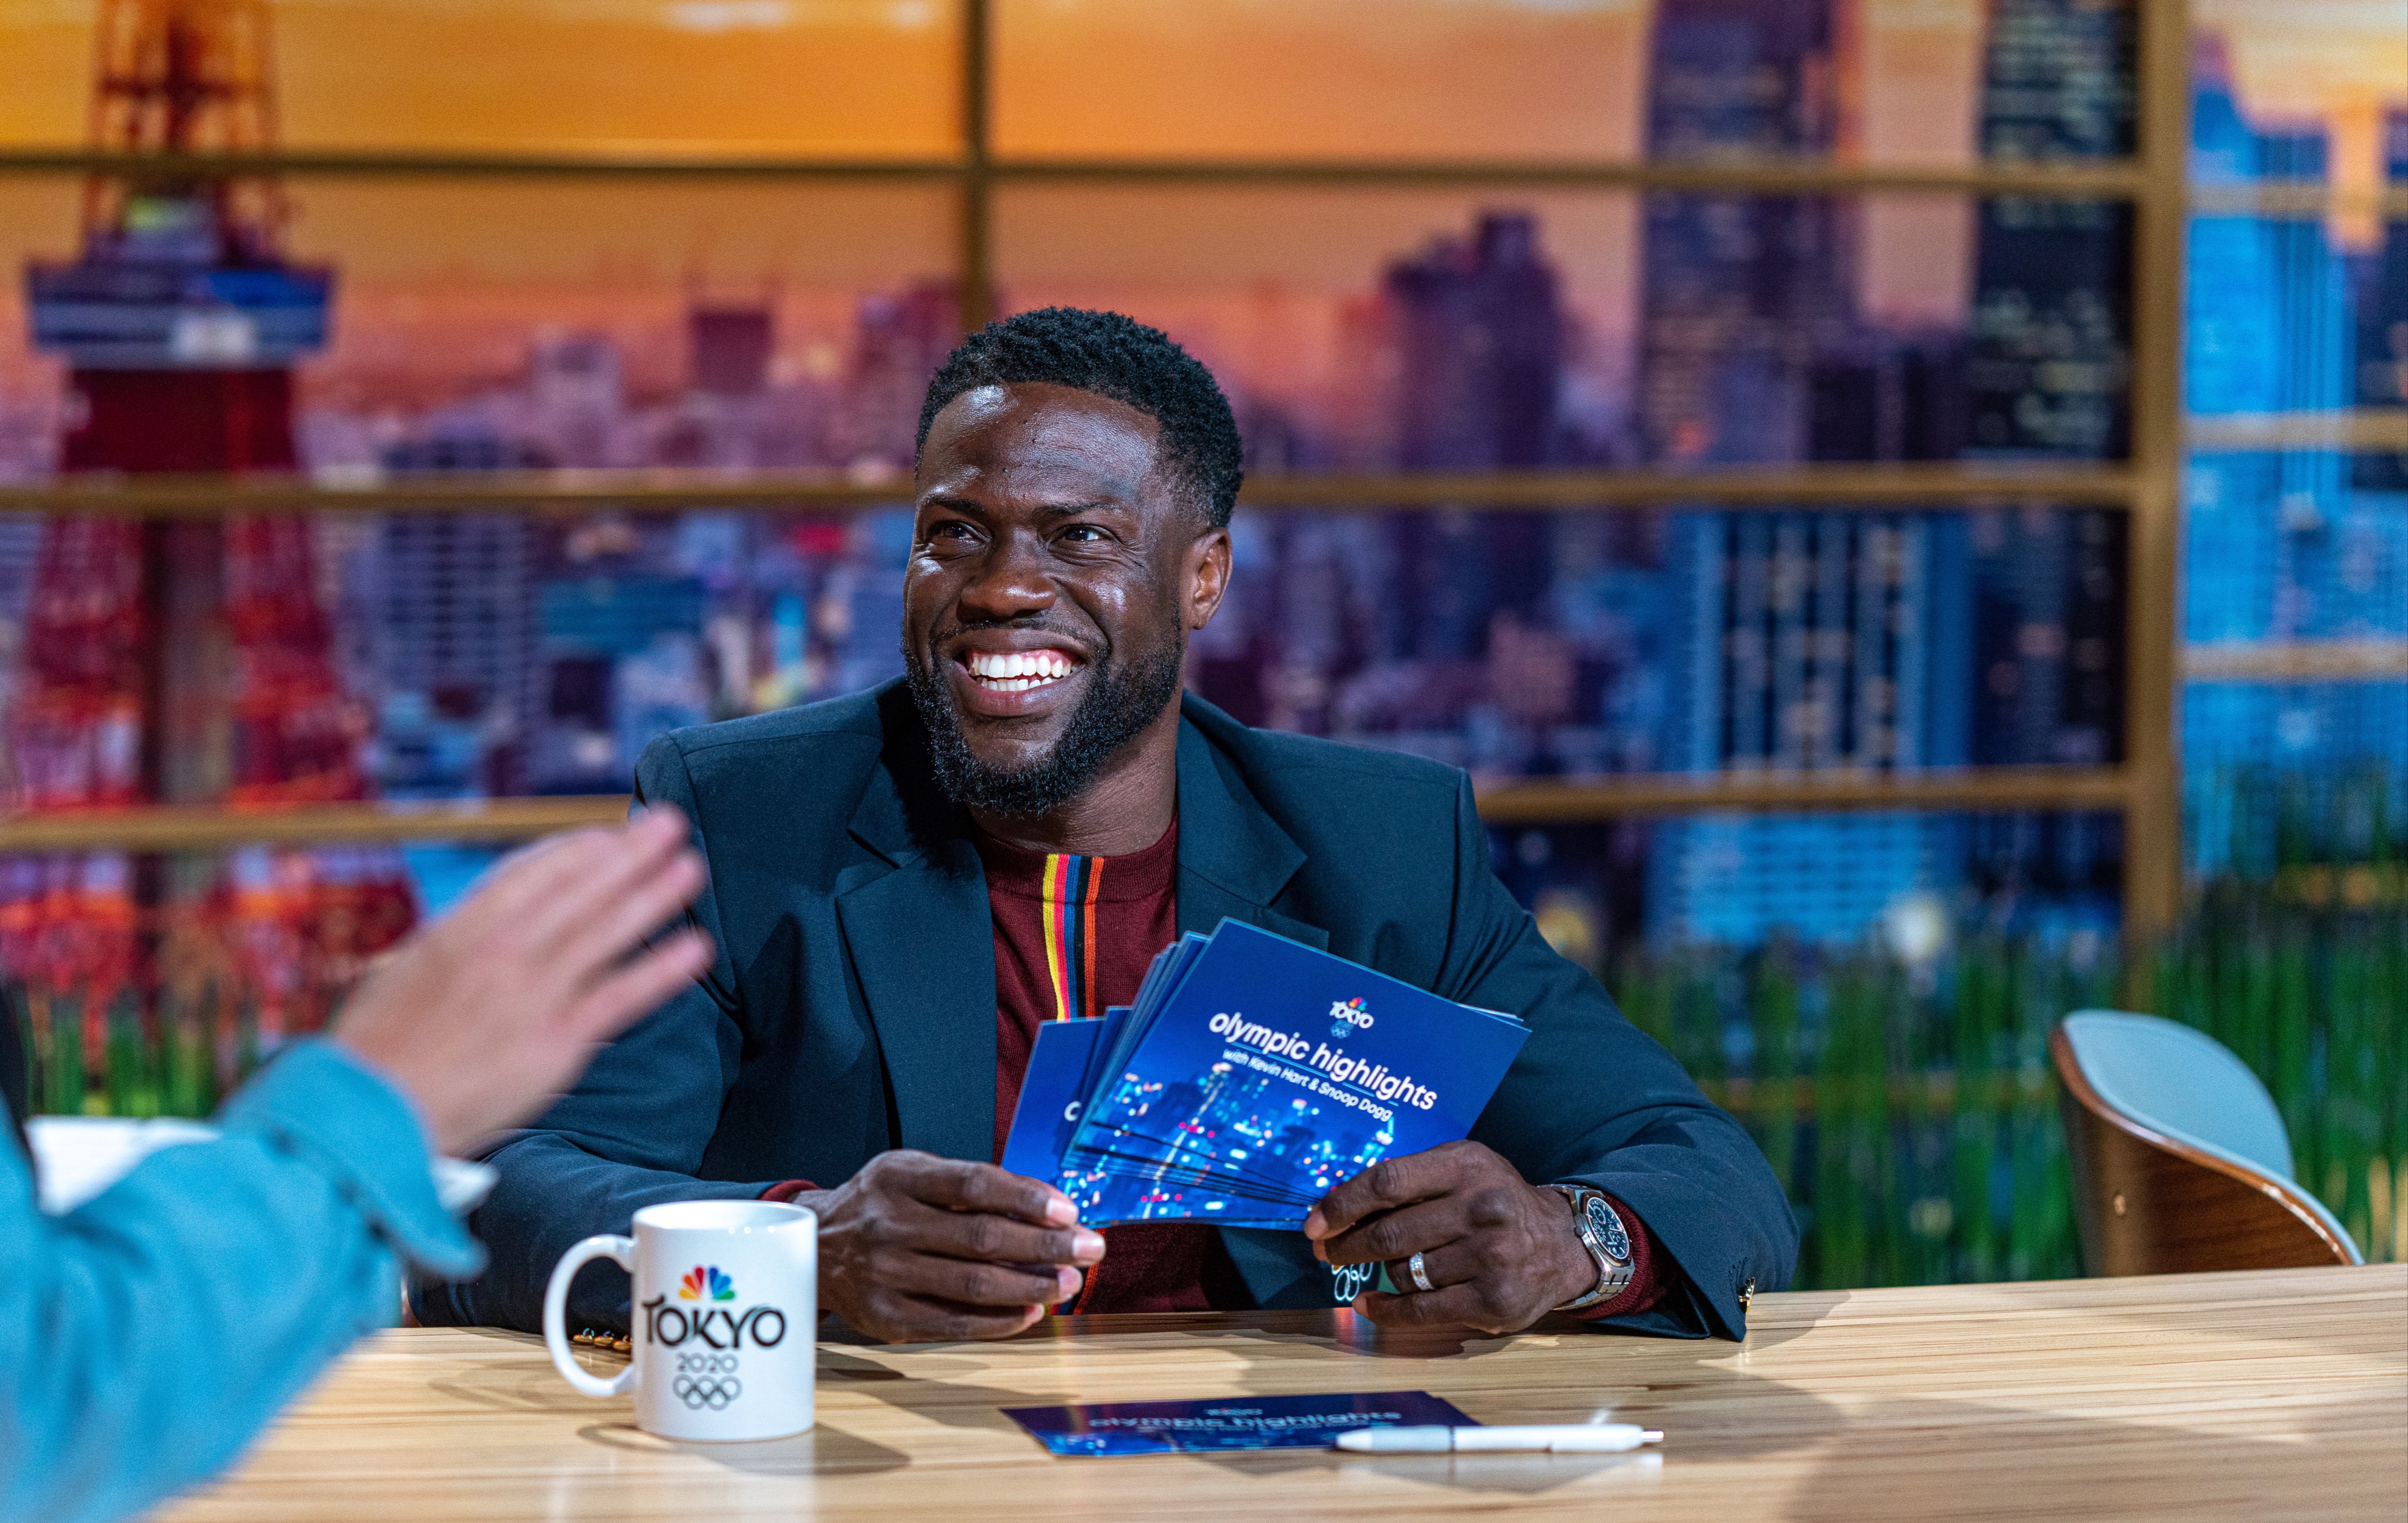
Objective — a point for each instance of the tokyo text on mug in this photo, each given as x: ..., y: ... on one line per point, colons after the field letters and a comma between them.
x: 726, y: 1310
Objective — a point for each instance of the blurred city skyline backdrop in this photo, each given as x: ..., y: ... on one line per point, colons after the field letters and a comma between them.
x: 465, y: 293
x: 492, y: 322
x: 447, y: 286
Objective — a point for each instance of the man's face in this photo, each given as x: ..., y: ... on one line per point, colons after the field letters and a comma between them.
x: 1055, y: 570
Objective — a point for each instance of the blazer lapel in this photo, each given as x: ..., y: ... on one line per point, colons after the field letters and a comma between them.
x: 922, y: 942
x: 1233, y: 858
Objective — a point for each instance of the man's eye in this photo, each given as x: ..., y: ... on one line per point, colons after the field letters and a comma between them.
x: 1085, y: 534
x: 952, y: 528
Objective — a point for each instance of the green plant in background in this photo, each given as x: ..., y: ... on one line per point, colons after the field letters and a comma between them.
x: 114, y: 1061
x: 2315, y: 998
x: 1910, y: 1111
x: 1907, y: 1105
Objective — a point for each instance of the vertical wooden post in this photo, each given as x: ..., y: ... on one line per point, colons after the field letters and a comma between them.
x: 976, y: 273
x: 2152, y: 855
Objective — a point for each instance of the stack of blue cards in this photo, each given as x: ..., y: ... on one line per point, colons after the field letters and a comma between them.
x: 1252, y: 1076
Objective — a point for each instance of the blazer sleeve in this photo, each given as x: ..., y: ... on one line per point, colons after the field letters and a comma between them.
x: 1593, y: 1100
x: 630, y: 1135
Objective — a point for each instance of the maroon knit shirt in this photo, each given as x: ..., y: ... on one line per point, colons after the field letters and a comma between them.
x: 1073, y: 936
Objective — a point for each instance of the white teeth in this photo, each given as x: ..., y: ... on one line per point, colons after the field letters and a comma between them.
x: 1016, y: 672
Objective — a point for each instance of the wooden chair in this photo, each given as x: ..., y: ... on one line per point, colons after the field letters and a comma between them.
x: 2180, y: 1160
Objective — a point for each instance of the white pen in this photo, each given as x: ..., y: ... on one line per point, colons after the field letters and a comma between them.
x: 1587, y: 1438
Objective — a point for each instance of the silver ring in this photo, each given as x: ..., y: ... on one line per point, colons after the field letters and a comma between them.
x: 1419, y: 1272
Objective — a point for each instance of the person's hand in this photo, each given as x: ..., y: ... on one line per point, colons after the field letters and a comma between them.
x: 915, y: 1248
x: 1502, y: 1252
x: 485, y: 1015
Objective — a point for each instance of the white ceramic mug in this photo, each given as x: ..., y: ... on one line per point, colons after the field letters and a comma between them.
x: 726, y: 1313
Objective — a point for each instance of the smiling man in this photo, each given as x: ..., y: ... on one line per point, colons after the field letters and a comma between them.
x: 907, y: 883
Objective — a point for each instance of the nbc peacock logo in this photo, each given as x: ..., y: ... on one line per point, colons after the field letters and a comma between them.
x: 704, y: 1282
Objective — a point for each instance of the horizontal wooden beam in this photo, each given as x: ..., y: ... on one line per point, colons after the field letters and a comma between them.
x: 2296, y: 661
x: 1870, y: 486
x: 201, y: 828
x: 2297, y: 198
x: 187, y: 827
x: 1972, y: 790
x: 545, y: 492
x: 2103, y: 179
x: 573, y: 493
x: 2106, y: 178
x: 412, y: 164
x: 1939, y: 1092
x: 2361, y: 430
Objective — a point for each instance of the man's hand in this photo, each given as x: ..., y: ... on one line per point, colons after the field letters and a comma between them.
x: 919, y: 1249
x: 1502, y: 1252
x: 485, y: 1015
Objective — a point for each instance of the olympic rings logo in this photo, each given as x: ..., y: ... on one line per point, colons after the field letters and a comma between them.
x: 1351, y: 1280
x: 713, y: 1394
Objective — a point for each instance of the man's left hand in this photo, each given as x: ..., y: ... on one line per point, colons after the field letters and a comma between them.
x: 1500, y: 1251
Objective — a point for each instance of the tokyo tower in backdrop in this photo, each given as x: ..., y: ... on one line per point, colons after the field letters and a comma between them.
x: 183, y: 662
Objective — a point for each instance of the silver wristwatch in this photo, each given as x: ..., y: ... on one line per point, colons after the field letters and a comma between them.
x: 1608, y: 1242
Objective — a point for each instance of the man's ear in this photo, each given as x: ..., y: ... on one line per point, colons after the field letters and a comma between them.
x: 1208, y: 576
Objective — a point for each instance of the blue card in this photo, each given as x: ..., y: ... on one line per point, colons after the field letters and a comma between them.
x: 1244, y: 1422
x: 1268, y: 1073
x: 1050, y: 1089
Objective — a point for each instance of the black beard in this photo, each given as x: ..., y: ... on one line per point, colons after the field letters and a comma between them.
x: 1120, y: 703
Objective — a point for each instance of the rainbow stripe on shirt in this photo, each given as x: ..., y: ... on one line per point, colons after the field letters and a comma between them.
x: 1071, y: 883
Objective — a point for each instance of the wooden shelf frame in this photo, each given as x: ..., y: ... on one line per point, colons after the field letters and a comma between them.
x: 2153, y: 855
x: 2145, y: 790
x: 203, y: 827
x: 2355, y: 430
x: 1882, y: 488
x: 207, y: 828
x: 2104, y: 180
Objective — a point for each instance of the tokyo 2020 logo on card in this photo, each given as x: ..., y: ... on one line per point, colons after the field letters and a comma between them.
x: 1346, y: 1017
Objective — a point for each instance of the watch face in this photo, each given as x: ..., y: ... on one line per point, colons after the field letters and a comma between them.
x: 1608, y: 1231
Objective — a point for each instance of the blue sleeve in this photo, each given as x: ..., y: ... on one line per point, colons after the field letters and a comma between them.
x: 1594, y: 1099
x: 146, y: 1336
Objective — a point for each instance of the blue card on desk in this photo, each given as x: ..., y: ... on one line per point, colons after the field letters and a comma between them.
x: 1244, y: 1422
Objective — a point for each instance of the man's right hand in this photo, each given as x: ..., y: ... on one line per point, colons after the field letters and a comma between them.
x: 920, y: 1249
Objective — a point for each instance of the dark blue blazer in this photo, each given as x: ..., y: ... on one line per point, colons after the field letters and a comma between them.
x: 852, y: 1008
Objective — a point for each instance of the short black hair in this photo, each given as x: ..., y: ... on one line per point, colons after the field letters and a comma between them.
x: 1114, y: 356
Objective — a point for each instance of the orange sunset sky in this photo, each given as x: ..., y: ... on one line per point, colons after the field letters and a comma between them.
x: 447, y: 278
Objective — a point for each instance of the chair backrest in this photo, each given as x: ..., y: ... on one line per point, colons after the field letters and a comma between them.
x: 2178, y: 1081
x: 2180, y: 1159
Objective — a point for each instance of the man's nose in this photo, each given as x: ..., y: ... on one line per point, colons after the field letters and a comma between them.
x: 1010, y: 581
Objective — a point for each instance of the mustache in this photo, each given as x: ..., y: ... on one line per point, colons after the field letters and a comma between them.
x: 1090, y: 637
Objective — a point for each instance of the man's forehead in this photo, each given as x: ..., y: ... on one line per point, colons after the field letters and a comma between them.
x: 1039, y: 439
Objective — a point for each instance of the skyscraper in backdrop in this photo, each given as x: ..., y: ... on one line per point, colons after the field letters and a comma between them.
x: 1801, y: 640
x: 2051, y: 324
x: 181, y: 662
x: 1807, y: 640
x: 2286, y: 543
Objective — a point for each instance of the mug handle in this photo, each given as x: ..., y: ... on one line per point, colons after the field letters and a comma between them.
x: 621, y: 1251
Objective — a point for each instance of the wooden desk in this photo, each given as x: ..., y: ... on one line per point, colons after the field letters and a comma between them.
x: 2277, y: 1394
